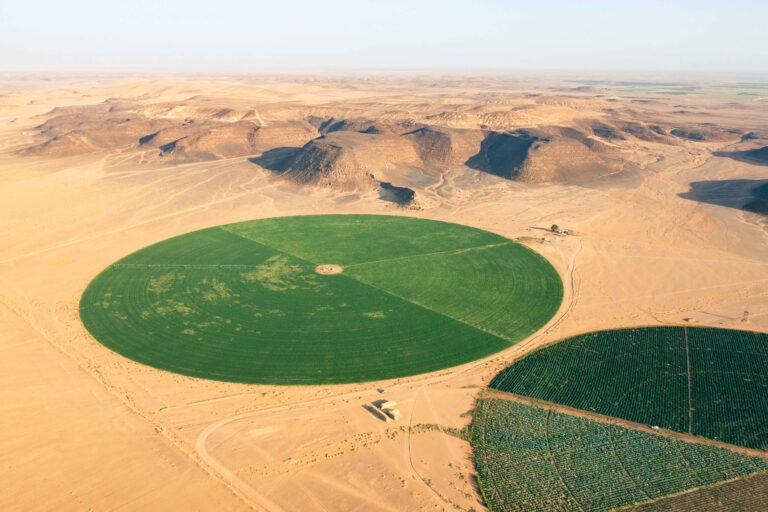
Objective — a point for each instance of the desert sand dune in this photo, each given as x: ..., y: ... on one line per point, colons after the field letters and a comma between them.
x: 92, y: 176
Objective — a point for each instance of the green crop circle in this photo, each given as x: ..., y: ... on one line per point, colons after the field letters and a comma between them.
x: 321, y: 299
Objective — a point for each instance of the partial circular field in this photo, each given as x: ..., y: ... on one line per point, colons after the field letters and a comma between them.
x: 533, y: 454
x: 321, y: 299
x: 536, y: 459
x: 700, y: 381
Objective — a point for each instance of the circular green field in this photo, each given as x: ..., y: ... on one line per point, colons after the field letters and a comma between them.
x: 321, y: 299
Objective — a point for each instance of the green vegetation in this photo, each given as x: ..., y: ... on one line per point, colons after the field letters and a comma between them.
x: 350, y: 239
x: 702, y: 381
x: 243, y: 302
x: 743, y: 495
x: 494, y: 288
x: 708, y: 382
x: 531, y: 459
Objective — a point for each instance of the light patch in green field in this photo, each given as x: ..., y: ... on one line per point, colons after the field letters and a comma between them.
x: 375, y: 314
x: 268, y: 312
x: 278, y: 275
x: 106, y: 301
x: 188, y: 332
x: 172, y: 306
x: 215, y: 290
x: 162, y: 283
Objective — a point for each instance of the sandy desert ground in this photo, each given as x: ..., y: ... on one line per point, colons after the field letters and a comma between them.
x: 653, y: 184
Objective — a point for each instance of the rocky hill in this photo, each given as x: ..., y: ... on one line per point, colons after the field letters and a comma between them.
x: 532, y: 139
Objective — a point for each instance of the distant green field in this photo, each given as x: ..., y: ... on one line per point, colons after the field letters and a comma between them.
x: 707, y: 382
x: 530, y: 459
x: 244, y: 303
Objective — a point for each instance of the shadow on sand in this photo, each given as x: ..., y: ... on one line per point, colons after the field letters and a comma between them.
x: 394, y: 194
x: 502, y: 154
x: 276, y: 159
x: 746, y: 195
x: 757, y: 156
x: 375, y: 411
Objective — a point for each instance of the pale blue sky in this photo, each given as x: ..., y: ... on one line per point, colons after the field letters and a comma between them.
x: 387, y: 35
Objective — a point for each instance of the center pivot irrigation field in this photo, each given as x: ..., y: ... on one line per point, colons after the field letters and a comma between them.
x: 530, y: 459
x: 256, y: 302
x: 700, y: 381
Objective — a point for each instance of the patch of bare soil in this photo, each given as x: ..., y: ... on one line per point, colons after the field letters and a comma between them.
x: 328, y: 269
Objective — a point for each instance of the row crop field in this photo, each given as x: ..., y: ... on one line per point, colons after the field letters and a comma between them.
x: 244, y: 302
x: 533, y: 459
x: 700, y: 381
x: 748, y: 494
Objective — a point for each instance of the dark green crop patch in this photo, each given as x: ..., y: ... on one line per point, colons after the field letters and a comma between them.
x: 695, y: 380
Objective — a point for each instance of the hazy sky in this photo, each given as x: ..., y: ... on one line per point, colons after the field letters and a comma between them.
x: 389, y: 35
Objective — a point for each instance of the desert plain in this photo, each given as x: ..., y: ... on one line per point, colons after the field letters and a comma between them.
x: 661, y: 184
